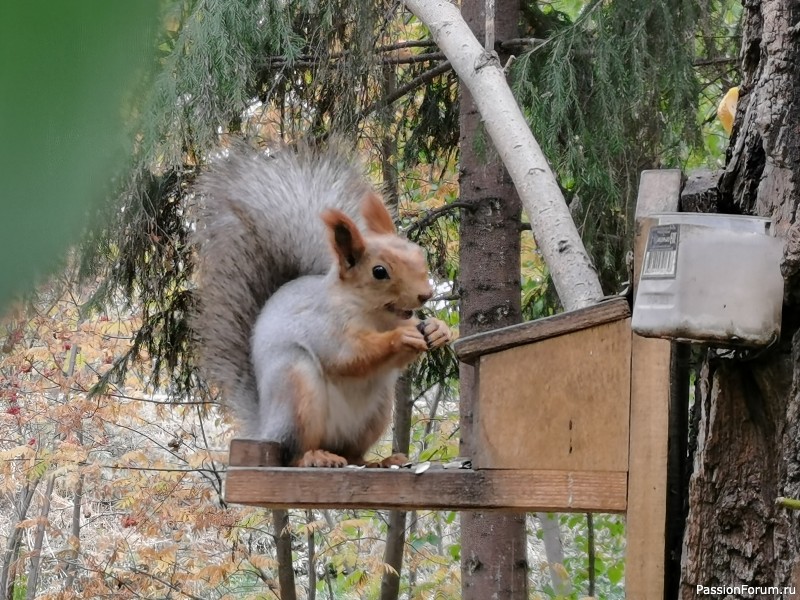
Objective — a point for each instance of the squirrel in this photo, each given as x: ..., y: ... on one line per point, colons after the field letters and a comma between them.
x: 306, y: 300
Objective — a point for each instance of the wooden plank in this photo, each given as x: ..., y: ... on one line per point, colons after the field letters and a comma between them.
x: 659, y: 191
x: 435, y: 489
x: 472, y: 347
x: 561, y: 403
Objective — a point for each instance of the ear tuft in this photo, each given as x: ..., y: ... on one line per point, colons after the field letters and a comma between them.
x: 376, y: 215
x: 347, y: 242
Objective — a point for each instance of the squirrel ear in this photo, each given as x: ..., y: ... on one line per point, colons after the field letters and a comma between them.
x: 345, y: 238
x: 375, y: 214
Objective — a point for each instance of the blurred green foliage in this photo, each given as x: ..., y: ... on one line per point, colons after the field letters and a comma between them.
x: 68, y: 70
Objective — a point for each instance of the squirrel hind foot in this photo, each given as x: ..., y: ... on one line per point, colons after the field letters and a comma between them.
x: 395, y: 460
x: 321, y: 458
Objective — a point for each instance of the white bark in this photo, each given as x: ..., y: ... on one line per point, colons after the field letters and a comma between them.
x: 557, y: 237
x: 554, y: 551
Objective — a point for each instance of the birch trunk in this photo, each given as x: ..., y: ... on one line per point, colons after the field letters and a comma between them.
x: 480, y: 71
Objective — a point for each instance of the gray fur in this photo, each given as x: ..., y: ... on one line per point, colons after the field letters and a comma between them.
x: 301, y: 327
x: 260, y: 228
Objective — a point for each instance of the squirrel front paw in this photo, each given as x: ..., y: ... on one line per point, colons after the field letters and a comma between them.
x: 435, y: 331
x: 410, y: 339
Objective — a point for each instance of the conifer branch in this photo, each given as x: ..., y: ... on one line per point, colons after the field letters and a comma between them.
x: 307, y: 62
x: 418, y: 81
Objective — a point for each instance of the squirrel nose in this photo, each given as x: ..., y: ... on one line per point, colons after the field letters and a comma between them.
x: 423, y: 298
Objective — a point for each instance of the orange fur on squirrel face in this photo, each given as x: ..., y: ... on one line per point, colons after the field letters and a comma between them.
x: 389, y: 272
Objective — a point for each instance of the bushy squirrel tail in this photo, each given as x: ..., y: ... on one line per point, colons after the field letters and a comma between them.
x: 259, y: 227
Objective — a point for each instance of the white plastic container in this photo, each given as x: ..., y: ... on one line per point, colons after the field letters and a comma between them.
x: 710, y: 278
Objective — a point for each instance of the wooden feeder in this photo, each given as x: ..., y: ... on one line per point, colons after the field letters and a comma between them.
x: 567, y: 381
x: 554, y: 398
x: 572, y: 415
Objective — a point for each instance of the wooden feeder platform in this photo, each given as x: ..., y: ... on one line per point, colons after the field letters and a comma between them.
x: 508, y: 477
x: 435, y: 489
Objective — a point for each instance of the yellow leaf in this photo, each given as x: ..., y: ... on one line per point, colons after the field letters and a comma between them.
x: 263, y: 562
x: 726, y: 111
x: 213, y: 574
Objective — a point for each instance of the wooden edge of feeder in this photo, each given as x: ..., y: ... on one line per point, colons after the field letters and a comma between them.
x: 435, y: 489
x: 646, y: 547
x: 470, y: 348
x: 254, y: 453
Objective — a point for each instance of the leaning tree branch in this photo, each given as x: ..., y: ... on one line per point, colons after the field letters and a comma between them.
x: 406, y: 44
x: 432, y: 215
x: 517, y: 43
x: 480, y: 71
x: 719, y: 60
x: 307, y: 62
x: 343, y: 53
x: 418, y: 81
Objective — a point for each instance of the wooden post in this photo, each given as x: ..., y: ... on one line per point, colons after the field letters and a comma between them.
x: 659, y: 191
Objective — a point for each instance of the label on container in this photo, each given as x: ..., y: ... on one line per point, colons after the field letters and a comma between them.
x: 661, y: 254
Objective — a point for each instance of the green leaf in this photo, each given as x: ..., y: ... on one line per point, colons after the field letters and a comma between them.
x: 454, y: 550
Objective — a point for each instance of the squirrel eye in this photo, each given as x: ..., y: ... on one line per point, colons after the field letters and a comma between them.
x: 380, y: 272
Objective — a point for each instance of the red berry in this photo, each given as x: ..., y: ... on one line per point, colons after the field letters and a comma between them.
x: 129, y: 521
x: 13, y: 410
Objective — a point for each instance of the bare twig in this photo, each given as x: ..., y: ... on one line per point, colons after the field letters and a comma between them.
x: 432, y: 215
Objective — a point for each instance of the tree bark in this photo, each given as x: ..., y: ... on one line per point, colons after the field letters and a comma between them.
x: 493, y: 545
x: 554, y: 552
x: 748, y: 442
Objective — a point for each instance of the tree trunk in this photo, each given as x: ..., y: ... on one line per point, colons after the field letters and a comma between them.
x: 38, y: 540
x: 11, y: 552
x: 283, y: 549
x: 312, y: 558
x: 480, y: 71
x: 748, y: 441
x: 493, y: 545
x: 396, y: 532
x: 71, y: 566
